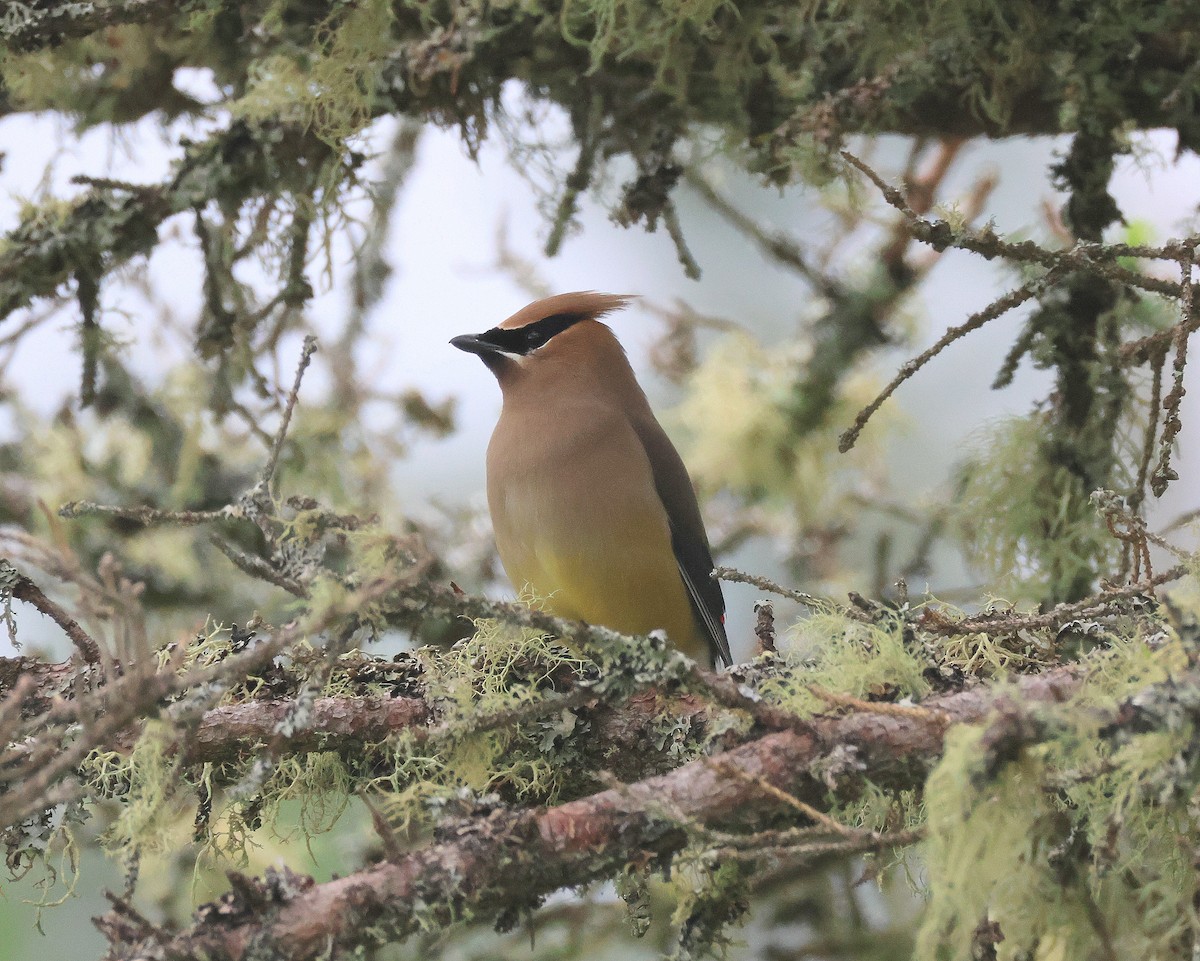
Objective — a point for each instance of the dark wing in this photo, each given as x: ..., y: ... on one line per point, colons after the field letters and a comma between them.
x: 688, y: 538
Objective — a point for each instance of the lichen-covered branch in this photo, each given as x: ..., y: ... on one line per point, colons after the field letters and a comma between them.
x: 505, y: 859
x: 112, y: 224
x: 972, y: 73
x: 34, y: 25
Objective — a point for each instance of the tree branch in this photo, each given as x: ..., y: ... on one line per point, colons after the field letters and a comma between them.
x: 506, y: 859
x: 26, y: 590
x: 120, y: 222
x: 28, y: 27
x: 335, y: 723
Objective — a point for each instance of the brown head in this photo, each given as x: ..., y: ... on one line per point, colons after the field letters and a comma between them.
x: 553, y: 335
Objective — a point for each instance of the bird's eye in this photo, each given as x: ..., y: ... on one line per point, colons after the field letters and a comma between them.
x: 535, y: 339
x: 541, y: 332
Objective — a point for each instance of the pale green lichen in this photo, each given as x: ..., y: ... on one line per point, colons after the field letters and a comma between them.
x: 710, y: 896
x: 1080, y: 844
x: 498, y: 670
x: 837, y: 653
x: 150, y: 773
x: 1028, y: 523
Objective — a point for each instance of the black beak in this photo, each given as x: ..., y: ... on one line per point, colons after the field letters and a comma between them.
x: 473, y: 344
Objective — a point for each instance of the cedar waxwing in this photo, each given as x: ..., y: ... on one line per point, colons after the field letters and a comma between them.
x: 592, y: 506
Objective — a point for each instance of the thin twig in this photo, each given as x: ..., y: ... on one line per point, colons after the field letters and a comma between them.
x: 777, y: 244
x: 886, y: 708
x: 997, y: 308
x: 810, y: 812
x: 733, y: 575
x: 675, y: 230
x: 861, y: 844
x: 1164, y: 473
x: 310, y: 348
x: 148, y: 516
x: 1187, y: 517
x: 392, y: 849
x: 580, y: 178
x: 1139, y: 488
x: 258, y: 568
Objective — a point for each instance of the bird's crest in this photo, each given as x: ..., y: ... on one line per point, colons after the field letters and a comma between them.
x: 575, y: 306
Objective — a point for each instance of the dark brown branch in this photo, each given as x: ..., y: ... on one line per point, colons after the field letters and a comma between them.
x: 26, y: 590
x: 50, y: 24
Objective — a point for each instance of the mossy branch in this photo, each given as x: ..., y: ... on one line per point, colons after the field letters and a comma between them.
x: 111, y: 224
x: 29, y: 27
x: 512, y: 858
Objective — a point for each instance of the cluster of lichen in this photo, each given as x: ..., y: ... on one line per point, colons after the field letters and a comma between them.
x: 1081, y: 843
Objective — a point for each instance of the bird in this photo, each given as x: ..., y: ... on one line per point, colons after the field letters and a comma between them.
x: 592, y: 506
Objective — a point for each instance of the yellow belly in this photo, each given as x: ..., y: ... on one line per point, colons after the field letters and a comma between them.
x: 632, y: 591
x: 584, y: 530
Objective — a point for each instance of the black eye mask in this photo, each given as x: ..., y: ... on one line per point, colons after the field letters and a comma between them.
x: 525, y: 340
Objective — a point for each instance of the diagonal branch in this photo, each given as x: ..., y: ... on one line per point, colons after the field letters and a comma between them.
x: 23, y: 589
x: 997, y: 308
